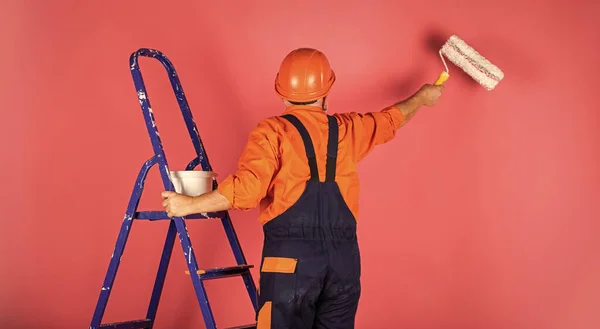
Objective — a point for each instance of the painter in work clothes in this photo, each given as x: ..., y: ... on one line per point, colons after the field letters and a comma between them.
x: 300, y: 169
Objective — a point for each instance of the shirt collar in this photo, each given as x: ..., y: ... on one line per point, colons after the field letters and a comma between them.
x: 309, y: 108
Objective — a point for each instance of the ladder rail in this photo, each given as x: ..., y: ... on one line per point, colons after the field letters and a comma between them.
x: 155, y: 139
x: 126, y: 226
x: 180, y: 225
x: 161, y: 274
x: 236, y: 247
x: 179, y: 95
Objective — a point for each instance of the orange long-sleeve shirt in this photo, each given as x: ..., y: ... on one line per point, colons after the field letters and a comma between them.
x: 273, y: 168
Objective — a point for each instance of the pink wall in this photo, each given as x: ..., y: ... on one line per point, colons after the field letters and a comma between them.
x: 483, y: 213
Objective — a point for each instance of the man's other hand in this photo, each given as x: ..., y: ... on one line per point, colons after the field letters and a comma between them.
x: 176, y: 205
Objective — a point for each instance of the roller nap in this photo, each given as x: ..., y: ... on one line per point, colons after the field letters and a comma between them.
x: 471, y: 62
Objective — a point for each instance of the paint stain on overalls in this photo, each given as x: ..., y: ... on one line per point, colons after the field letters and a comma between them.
x: 310, y: 271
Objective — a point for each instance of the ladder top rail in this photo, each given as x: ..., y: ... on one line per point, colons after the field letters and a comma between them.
x: 179, y: 95
x: 152, y: 53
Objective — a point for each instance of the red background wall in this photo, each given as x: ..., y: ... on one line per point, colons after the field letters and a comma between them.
x: 482, y: 213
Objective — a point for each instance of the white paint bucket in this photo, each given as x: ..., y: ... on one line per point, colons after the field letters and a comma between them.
x: 193, y: 182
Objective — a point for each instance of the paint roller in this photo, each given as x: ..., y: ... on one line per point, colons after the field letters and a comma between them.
x: 469, y: 60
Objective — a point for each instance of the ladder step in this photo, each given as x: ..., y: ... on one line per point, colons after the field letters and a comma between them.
x: 135, y: 324
x: 248, y: 326
x: 162, y: 215
x: 223, y: 272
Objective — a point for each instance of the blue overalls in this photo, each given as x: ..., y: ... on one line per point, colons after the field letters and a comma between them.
x: 310, y: 271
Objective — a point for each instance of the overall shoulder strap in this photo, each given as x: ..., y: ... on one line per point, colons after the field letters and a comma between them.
x: 308, y: 146
x: 332, y: 149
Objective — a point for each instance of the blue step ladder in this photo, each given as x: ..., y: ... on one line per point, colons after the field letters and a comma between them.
x: 177, y: 226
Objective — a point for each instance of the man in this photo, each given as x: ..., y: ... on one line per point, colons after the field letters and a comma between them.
x: 301, y: 169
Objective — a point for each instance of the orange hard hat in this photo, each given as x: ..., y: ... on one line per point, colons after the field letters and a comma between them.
x: 304, y: 75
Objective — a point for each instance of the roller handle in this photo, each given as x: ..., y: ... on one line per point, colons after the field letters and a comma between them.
x: 443, y: 77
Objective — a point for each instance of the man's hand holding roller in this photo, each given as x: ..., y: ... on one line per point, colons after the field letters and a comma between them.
x: 427, y: 95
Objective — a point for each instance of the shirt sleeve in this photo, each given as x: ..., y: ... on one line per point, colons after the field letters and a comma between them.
x: 256, y: 168
x: 371, y: 129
